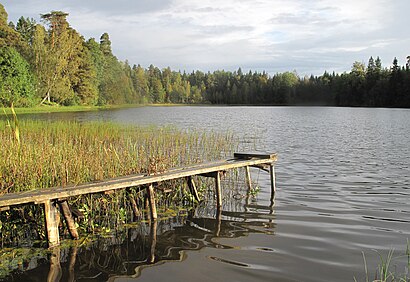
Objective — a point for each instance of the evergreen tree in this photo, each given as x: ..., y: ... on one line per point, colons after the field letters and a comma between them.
x: 26, y: 28
x: 105, y: 44
x: 115, y: 86
x: 10, y: 37
x: 141, y: 84
x: 157, y: 91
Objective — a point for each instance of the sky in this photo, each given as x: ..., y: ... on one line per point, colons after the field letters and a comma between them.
x: 263, y: 35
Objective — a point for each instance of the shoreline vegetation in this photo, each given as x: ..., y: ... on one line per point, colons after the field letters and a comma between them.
x: 38, y: 154
x: 53, y: 64
x: 45, y: 109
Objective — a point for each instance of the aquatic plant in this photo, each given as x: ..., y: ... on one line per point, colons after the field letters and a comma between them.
x: 63, y: 153
x: 387, y: 269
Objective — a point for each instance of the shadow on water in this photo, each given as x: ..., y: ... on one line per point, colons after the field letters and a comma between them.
x: 149, y: 244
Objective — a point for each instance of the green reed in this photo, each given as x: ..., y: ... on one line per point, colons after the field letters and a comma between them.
x: 60, y: 153
x: 387, y: 270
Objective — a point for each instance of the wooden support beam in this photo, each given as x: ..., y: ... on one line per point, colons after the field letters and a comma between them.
x: 4, y: 209
x: 192, y: 188
x: 77, y: 214
x: 69, y: 220
x: 151, y: 201
x: 272, y: 182
x: 218, y: 218
x: 134, y: 206
x: 52, y: 219
x: 248, y: 177
x: 218, y: 190
x: 264, y: 167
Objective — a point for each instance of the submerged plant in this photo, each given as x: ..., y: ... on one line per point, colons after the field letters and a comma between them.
x: 254, y: 191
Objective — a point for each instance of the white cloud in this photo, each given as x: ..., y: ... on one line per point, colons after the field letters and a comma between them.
x: 275, y: 35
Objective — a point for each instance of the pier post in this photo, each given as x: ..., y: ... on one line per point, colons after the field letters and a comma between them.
x: 218, y: 189
x: 151, y: 200
x: 248, y: 177
x: 192, y: 188
x: 218, y: 218
x: 134, y: 207
x: 68, y: 217
x: 52, y: 219
x: 272, y: 181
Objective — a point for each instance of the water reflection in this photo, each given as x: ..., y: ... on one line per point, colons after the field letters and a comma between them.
x: 152, y: 243
x: 55, y: 272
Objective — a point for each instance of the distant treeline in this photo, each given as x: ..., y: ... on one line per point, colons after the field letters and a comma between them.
x: 52, y: 63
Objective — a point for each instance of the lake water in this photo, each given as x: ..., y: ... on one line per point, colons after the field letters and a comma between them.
x: 343, y: 188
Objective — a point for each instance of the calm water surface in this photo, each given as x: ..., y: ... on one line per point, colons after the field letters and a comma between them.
x: 343, y: 182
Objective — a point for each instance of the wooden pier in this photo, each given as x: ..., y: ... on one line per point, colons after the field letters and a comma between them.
x: 54, y: 198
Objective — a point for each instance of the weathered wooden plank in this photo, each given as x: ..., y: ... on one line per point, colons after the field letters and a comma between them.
x: 52, y: 219
x: 69, y: 220
x: 192, y: 188
x: 258, y: 155
x: 151, y: 200
x: 42, y: 195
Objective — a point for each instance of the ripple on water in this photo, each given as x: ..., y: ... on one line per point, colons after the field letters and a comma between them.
x: 343, y: 184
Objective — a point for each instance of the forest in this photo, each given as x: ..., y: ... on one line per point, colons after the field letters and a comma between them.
x: 51, y: 63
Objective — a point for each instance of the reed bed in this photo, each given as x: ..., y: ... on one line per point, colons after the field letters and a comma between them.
x: 61, y: 153
x: 38, y: 155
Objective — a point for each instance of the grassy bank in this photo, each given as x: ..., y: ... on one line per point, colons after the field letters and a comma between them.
x: 58, y: 109
x: 37, y: 155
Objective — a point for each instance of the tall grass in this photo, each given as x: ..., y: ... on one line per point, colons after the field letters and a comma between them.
x: 61, y: 153
x: 387, y: 269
